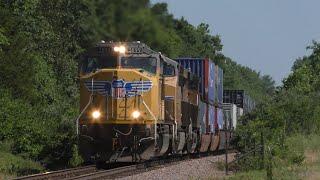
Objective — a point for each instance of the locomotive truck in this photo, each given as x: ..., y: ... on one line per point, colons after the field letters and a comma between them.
x: 137, y: 104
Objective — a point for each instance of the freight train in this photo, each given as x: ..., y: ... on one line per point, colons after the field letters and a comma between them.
x: 138, y: 104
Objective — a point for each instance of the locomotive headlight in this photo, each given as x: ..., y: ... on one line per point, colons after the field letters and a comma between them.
x: 135, y: 114
x: 120, y: 49
x: 96, y: 114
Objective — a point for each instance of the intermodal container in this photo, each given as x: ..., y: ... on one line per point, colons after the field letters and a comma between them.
x: 212, y: 81
x: 219, y: 85
x: 240, y: 98
x: 212, y: 117
x: 205, y: 70
x: 202, y: 116
x: 220, y: 120
x: 230, y: 115
x: 239, y: 112
x: 223, y: 135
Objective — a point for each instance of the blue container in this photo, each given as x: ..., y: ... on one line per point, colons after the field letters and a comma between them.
x: 202, y: 116
x: 204, y: 69
x: 220, y: 120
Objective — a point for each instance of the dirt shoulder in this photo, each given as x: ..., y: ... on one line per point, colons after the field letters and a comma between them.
x: 203, y: 168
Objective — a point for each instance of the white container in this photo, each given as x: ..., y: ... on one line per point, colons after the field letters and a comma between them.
x: 230, y: 115
x: 239, y: 112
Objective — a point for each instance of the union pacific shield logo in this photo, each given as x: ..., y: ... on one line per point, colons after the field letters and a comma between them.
x: 118, y: 88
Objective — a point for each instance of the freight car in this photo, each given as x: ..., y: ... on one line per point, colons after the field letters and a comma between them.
x: 239, y: 98
x: 232, y: 114
x: 136, y: 104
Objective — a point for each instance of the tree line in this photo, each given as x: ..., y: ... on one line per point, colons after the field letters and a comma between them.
x: 288, y: 121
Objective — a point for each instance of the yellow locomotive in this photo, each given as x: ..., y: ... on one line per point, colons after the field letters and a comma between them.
x: 135, y: 104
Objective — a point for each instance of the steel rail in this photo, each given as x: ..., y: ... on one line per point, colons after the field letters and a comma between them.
x: 105, y: 174
x: 60, y: 174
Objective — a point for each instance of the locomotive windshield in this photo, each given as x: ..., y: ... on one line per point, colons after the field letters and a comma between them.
x: 94, y: 63
x: 145, y: 63
x: 91, y: 64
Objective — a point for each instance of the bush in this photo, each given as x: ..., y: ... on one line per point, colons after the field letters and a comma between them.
x: 16, y: 164
x: 13, y: 164
x: 76, y: 159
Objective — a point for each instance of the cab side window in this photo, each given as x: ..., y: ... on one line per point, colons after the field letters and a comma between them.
x: 89, y: 64
x: 168, y: 70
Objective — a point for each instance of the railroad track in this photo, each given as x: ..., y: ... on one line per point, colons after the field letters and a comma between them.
x: 91, y: 172
x: 128, y: 170
x: 61, y: 174
x: 106, y: 174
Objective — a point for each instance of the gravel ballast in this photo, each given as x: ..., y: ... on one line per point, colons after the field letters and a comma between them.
x: 202, y: 168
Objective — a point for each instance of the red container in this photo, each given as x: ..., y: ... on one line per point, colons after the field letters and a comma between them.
x: 205, y: 70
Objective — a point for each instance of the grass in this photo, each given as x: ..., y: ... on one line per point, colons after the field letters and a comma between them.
x: 301, y: 162
x: 13, y: 165
x: 250, y: 175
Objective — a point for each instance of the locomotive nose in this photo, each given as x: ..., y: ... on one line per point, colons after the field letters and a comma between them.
x: 128, y: 96
x: 118, y: 96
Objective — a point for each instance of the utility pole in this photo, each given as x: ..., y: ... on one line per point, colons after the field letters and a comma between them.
x: 262, y: 150
x: 226, y: 117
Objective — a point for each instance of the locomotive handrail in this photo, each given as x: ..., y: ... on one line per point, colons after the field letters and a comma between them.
x: 155, y: 121
x: 85, y: 108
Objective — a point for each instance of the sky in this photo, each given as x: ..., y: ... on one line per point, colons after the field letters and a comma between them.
x: 265, y: 35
